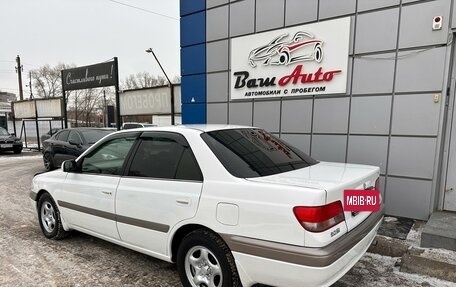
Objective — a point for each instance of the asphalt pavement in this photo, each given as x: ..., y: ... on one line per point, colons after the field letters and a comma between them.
x: 27, y: 258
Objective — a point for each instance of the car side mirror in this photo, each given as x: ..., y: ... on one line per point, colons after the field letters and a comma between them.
x: 69, y: 166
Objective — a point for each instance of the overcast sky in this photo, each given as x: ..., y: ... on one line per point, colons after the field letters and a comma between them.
x: 84, y: 32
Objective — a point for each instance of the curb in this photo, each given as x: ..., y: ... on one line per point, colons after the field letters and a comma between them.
x: 420, y: 265
x: 414, y: 260
x: 388, y: 246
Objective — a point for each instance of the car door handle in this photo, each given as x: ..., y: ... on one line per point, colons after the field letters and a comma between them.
x: 183, y: 201
x: 106, y: 192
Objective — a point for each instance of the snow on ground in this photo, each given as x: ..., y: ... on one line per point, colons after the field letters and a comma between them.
x: 375, y: 270
x: 414, y: 235
x: 24, y: 156
x: 389, y: 219
x: 442, y: 255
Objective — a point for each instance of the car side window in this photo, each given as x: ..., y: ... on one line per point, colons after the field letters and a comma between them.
x: 62, y: 136
x: 162, y: 157
x: 109, y: 157
x: 74, y: 137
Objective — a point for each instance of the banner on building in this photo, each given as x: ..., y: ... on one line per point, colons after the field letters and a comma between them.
x: 309, y: 59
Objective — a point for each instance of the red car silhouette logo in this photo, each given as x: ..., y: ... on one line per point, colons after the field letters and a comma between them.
x: 280, y: 51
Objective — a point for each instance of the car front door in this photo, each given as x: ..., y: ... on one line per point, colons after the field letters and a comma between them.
x: 161, y: 187
x: 87, y: 196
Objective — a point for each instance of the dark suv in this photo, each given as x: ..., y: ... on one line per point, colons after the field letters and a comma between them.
x: 8, y: 142
x: 69, y: 144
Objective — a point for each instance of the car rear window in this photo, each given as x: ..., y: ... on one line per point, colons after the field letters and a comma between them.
x: 164, y: 157
x: 131, y: 126
x: 92, y: 136
x: 62, y: 136
x: 250, y: 153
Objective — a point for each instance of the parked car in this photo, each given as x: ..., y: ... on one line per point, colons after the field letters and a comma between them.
x: 49, y: 134
x: 131, y: 125
x: 229, y: 204
x: 9, y: 142
x: 69, y: 144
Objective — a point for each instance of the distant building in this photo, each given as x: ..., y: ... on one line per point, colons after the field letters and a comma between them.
x: 5, y: 107
x: 7, y: 97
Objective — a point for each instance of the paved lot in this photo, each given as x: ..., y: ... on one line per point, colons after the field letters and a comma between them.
x: 28, y: 259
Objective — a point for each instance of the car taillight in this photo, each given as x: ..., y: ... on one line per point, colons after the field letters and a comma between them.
x: 319, y: 218
x: 377, y: 184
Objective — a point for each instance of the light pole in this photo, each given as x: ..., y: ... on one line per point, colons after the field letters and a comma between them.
x: 169, y: 83
x: 30, y: 85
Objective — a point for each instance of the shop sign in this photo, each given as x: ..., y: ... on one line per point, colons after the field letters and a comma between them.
x: 309, y: 59
x: 87, y: 77
x: 149, y: 101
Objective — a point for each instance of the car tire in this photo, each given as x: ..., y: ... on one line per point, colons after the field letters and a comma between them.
x: 48, y: 162
x: 49, y: 218
x: 17, y: 150
x: 318, y: 53
x: 204, y: 258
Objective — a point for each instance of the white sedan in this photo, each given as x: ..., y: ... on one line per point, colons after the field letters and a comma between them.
x: 230, y: 205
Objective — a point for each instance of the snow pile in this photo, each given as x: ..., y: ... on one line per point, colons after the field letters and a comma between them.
x: 4, y: 157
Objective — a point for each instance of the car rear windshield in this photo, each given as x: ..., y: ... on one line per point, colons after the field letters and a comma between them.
x: 250, y: 153
x: 131, y: 126
x: 92, y: 136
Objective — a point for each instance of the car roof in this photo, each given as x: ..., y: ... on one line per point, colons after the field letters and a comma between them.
x: 88, y: 129
x: 214, y: 127
x: 198, y: 128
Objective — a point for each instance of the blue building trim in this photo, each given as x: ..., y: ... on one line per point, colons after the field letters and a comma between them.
x: 193, y: 29
x: 191, y: 6
x: 195, y: 89
x: 194, y: 113
x: 193, y: 61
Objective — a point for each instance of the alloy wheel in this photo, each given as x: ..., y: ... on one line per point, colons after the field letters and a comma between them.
x: 202, y: 268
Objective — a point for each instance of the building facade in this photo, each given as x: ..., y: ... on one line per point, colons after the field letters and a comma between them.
x: 5, y: 108
x: 395, y: 106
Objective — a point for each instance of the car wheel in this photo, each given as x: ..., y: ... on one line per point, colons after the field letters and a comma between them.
x: 17, y: 150
x: 48, y: 162
x: 49, y: 218
x: 204, y: 260
x: 318, y: 53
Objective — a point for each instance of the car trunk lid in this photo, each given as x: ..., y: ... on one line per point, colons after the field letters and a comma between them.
x: 333, y: 178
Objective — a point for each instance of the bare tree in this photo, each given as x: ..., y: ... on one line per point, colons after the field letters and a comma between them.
x: 46, y: 80
x: 176, y: 80
x: 142, y: 80
x: 86, y: 105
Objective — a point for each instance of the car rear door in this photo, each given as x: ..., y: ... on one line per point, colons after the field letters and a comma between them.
x: 161, y: 187
x: 87, y: 197
x: 73, y: 149
x: 58, y: 147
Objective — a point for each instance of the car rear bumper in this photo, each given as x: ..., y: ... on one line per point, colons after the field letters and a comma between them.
x: 286, y: 265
